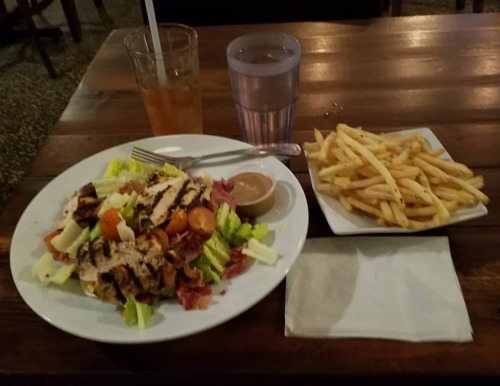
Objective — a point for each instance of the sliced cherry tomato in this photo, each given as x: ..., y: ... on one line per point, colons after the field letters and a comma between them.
x: 108, y: 222
x: 162, y: 237
x: 178, y: 223
x: 202, y: 220
x: 48, y: 241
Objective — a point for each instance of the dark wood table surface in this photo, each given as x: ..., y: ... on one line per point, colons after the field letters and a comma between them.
x: 441, y: 72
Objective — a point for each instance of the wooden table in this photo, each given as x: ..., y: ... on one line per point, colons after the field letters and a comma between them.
x: 441, y: 72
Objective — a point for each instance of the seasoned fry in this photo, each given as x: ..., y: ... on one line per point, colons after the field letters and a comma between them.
x: 387, y: 211
x: 453, y: 168
x: 318, y: 137
x: 375, y: 162
x: 396, y: 180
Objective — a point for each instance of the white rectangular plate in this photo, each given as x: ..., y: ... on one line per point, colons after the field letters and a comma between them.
x: 343, y: 222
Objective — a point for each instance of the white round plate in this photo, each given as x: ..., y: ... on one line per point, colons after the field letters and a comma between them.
x: 70, y: 310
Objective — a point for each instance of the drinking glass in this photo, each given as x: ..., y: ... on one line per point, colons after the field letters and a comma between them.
x: 169, y: 80
x: 264, y: 76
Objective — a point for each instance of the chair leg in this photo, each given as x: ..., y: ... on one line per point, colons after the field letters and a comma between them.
x: 397, y: 7
x: 477, y: 6
x: 24, y: 7
x: 460, y: 5
x: 74, y: 24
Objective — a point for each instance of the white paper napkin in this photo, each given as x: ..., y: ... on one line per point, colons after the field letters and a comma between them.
x: 401, y: 287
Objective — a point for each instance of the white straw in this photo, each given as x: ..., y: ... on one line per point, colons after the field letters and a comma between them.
x: 162, y: 78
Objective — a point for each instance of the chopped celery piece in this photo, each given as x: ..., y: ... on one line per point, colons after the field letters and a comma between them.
x: 242, y: 234
x: 213, y: 259
x: 222, y: 214
x: 261, y: 252
x: 218, y: 248
x: 230, y: 226
x: 232, y: 223
x: 227, y: 221
x: 63, y: 273
x: 209, y: 275
x: 43, y: 267
x: 95, y: 232
x: 69, y: 234
x: 73, y: 248
x: 259, y: 231
x: 48, y: 272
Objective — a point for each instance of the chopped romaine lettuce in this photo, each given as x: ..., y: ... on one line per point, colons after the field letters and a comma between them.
x: 172, y: 171
x: 135, y: 312
x: 135, y: 166
x: 236, y: 232
x: 106, y: 186
x: 222, y: 214
x: 114, y: 167
x: 217, y: 251
x: 114, y: 200
x: 128, y: 211
x: 259, y: 231
x: 209, y: 275
x: 242, y: 234
x: 261, y: 252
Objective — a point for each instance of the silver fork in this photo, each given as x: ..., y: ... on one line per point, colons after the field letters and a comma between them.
x: 183, y: 163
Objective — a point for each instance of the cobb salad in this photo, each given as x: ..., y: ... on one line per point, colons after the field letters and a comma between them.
x: 143, y: 233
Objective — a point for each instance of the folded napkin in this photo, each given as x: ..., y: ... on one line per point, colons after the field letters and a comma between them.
x: 400, y: 287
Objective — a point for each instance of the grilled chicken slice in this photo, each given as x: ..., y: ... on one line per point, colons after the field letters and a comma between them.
x: 88, y: 203
x: 82, y: 207
x: 121, y: 270
x: 160, y: 200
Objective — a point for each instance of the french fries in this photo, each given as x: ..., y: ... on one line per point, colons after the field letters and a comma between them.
x: 398, y: 181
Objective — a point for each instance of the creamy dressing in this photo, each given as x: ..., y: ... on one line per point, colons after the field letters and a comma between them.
x: 250, y: 186
x: 253, y: 193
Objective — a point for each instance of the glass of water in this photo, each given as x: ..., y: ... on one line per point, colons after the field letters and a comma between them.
x: 264, y: 75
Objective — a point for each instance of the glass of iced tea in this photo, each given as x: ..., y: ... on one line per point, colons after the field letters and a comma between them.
x: 169, y: 78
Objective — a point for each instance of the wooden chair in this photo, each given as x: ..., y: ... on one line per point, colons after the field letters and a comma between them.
x: 397, y: 5
x: 29, y: 10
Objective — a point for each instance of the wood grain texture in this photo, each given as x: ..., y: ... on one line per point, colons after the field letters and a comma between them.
x: 441, y: 72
